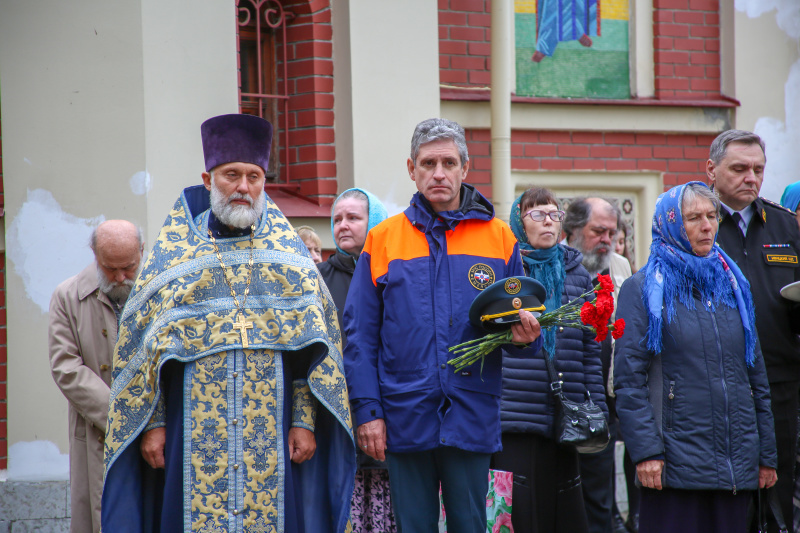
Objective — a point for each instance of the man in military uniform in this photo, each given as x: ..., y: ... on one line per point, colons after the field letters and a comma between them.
x: 763, y: 238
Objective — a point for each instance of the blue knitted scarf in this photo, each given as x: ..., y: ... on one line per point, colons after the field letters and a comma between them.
x: 673, y: 271
x: 545, y: 265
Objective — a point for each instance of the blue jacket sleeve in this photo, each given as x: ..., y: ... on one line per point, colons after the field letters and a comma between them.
x: 363, y: 317
x: 640, y: 431
x: 759, y: 384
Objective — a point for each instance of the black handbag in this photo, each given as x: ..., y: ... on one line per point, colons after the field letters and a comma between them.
x: 582, y: 426
x: 767, y: 500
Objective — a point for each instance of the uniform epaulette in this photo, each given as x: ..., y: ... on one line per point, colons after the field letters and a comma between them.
x: 775, y: 204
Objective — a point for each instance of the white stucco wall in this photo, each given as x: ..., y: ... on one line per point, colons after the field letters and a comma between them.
x: 767, y: 83
x: 101, y: 108
x: 387, y: 80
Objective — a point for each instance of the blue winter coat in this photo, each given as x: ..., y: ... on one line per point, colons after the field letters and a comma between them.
x: 709, y: 414
x: 408, y: 303
x: 527, y: 405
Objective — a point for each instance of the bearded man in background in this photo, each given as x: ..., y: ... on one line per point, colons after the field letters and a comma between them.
x: 84, y: 311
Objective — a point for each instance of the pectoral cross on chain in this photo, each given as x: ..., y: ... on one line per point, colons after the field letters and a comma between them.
x: 242, y: 326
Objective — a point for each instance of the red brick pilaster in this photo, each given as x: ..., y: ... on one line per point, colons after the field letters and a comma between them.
x: 686, y: 49
x: 312, y: 153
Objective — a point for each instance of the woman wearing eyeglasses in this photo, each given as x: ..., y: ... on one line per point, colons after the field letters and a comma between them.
x: 547, y: 494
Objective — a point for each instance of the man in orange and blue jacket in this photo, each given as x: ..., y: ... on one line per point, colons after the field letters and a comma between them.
x: 414, y: 282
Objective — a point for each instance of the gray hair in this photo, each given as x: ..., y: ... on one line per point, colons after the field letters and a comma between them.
x: 438, y: 129
x: 694, y: 191
x: 93, y: 237
x: 353, y: 193
x: 720, y: 145
x: 580, y: 211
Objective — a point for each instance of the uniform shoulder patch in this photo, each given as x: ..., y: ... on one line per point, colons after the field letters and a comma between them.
x: 481, y: 276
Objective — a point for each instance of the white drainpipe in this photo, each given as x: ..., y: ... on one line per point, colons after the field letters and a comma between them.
x: 502, y: 189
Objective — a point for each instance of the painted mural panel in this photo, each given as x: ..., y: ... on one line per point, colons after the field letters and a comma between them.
x: 572, y: 48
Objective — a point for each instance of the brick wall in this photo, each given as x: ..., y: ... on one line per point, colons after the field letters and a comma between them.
x: 3, y: 356
x: 680, y: 157
x: 464, y: 42
x: 312, y: 155
x: 686, y: 49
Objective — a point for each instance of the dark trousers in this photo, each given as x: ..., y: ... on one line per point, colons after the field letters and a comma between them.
x: 547, y: 495
x: 414, y: 479
x: 693, y: 511
x: 597, y: 478
x: 630, y: 483
x: 784, y: 411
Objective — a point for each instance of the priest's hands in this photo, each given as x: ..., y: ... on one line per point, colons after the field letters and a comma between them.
x: 372, y: 438
x: 152, y: 446
x: 526, y: 330
x: 302, y: 444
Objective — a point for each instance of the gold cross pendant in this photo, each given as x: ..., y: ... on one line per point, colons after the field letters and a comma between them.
x: 242, y: 326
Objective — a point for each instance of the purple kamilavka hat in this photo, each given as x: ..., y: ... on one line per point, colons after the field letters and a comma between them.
x: 232, y: 138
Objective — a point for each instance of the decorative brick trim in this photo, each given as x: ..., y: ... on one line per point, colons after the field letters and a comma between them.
x: 680, y: 157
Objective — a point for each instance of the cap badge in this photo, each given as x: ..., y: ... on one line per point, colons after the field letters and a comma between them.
x: 517, y: 303
x: 481, y: 276
x: 512, y: 285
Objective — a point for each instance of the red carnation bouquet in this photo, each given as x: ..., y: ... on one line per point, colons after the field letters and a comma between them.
x: 593, y: 316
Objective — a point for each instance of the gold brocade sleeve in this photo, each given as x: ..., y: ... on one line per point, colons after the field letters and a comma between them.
x: 304, y: 405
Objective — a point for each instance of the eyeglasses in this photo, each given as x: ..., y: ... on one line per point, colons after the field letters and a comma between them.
x: 538, y: 215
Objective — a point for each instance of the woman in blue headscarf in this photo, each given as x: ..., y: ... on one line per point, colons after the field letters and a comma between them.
x: 692, y: 392
x: 354, y: 213
x: 791, y: 199
x: 547, y: 492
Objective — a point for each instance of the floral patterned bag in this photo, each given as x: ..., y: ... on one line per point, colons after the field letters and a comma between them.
x: 498, y: 504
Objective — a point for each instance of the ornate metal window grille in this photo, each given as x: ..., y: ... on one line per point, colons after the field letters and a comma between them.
x: 261, y: 41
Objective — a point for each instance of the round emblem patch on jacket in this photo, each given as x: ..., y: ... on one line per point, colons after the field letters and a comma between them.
x: 481, y: 276
x: 512, y: 286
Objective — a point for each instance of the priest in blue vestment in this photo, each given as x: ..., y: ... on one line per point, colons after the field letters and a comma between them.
x: 229, y: 408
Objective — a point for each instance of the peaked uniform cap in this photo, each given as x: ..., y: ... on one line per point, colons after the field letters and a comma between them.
x: 497, y: 307
x: 236, y: 138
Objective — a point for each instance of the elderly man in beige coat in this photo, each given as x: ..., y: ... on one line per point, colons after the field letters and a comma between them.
x: 84, y: 311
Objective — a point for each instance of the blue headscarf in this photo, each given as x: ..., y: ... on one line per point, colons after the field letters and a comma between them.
x: 791, y: 196
x: 673, y: 270
x: 546, y: 266
x: 375, y: 209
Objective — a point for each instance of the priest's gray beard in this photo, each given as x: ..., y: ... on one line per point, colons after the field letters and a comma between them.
x: 118, y: 292
x: 235, y: 216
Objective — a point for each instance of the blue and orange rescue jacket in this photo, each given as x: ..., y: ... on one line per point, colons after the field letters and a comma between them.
x: 408, y: 303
